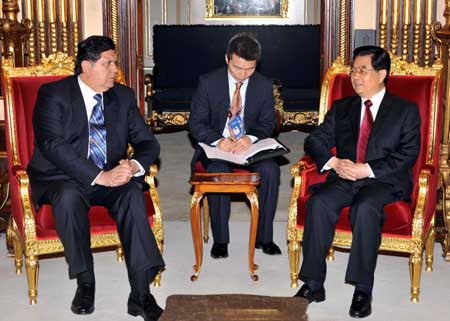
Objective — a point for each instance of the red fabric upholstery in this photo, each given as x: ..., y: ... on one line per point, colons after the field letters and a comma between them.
x: 200, y: 169
x: 100, y: 220
x: 399, y: 214
x: 24, y: 94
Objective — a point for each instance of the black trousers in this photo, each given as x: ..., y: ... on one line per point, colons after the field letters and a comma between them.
x: 219, y: 204
x: 366, y: 199
x: 126, y: 205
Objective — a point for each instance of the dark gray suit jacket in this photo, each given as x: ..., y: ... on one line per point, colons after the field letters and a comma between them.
x: 211, y: 102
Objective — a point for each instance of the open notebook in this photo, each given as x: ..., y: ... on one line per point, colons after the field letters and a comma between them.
x: 262, y: 149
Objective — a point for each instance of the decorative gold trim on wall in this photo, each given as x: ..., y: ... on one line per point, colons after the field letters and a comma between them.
x: 343, y: 30
x: 41, y: 28
x: 395, y: 23
x: 74, y: 11
x: 55, y: 27
x: 63, y: 25
x: 417, y: 21
x: 29, y: 13
x: 412, y: 21
x: 115, y: 24
x: 51, y: 6
x: 405, y: 29
x: 383, y: 22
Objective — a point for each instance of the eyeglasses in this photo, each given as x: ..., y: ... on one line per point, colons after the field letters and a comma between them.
x: 361, y: 71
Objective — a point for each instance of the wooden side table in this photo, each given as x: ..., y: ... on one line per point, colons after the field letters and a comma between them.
x: 223, y: 183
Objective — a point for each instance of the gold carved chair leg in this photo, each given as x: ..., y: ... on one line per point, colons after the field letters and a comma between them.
x: 196, y: 233
x: 32, y: 267
x: 17, y: 246
x: 253, y: 198
x: 119, y: 252
x: 157, y: 280
x: 330, y: 256
x: 446, y: 243
x: 205, y: 220
x: 294, y: 250
x: 415, y: 267
x: 429, y: 249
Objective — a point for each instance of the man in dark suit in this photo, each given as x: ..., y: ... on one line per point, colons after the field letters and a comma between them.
x: 377, y: 141
x: 232, y: 108
x: 82, y: 126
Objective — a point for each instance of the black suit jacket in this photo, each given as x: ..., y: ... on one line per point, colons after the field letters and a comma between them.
x: 61, y: 134
x: 393, y: 146
x: 211, y: 102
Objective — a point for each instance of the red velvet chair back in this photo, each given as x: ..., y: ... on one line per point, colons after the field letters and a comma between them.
x: 21, y: 93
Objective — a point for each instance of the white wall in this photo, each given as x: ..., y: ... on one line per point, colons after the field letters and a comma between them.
x: 92, y: 17
x: 365, y: 14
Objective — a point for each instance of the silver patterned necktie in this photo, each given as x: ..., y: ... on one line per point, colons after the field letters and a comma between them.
x: 97, y: 134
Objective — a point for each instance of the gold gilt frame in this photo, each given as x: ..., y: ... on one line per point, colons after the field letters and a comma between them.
x: 414, y: 245
x: 211, y: 5
x: 28, y: 244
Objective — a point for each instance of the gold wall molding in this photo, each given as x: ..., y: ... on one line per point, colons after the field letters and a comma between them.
x: 410, y: 23
x: 55, y: 28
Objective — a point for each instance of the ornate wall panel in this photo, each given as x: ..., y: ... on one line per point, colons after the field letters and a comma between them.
x: 336, y: 23
x: 56, y: 27
x: 123, y: 23
x: 405, y: 29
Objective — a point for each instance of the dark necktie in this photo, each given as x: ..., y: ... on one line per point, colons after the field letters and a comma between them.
x: 97, y: 134
x: 364, y: 133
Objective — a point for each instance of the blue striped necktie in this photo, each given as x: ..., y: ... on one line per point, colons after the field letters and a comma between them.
x: 97, y: 134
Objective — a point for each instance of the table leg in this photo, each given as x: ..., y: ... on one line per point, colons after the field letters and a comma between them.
x: 253, y: 198
x: 196, y: 233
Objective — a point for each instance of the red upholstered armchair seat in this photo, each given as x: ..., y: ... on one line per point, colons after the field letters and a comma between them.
x: 99, y: 219
x: 200, y: 169
x: 398, y: 214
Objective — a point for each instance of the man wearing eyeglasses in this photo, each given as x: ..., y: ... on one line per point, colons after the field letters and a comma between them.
x: 377, y: 141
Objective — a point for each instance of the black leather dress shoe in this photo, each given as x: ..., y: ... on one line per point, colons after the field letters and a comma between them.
x: 269, y: 248
x: 361, y: 305
x: 219, y: 250
x: 310, y: 295
x: 83, y: 302
x: 145, y: 306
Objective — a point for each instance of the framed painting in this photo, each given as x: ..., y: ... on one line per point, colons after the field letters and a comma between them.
x: 246, y: 8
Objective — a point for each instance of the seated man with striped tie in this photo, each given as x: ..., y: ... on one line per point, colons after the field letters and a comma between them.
x: 232, y: 108
x: 377, y: 141
x: 82, y: 126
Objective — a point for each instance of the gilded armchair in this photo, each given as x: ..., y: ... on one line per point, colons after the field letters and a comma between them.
x: 33, y: 232
x: 409, y: 228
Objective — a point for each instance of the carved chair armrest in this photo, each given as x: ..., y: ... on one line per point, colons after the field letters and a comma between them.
x: 421, y: 202
x: 148, y: 82
x: 305, y: 163
x: 152, y: 118
x: 27, y: 215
